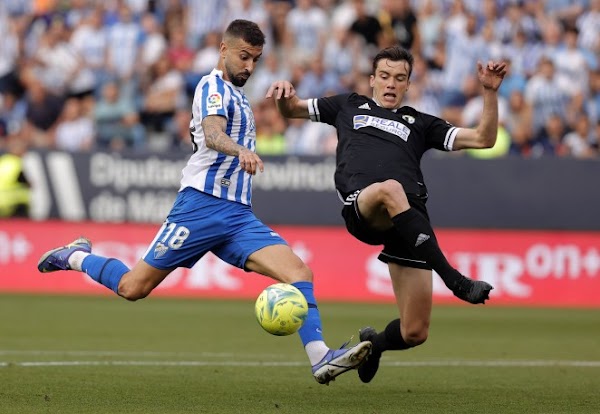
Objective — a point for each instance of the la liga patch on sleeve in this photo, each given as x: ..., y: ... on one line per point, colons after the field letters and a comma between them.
x: 214, y: 101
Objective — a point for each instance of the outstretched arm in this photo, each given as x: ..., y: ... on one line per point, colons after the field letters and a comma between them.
x: 484, y: 136
x: 288, y: 104
x: 214, y: 127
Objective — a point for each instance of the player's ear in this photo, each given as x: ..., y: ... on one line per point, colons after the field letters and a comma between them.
x: 372, y: 81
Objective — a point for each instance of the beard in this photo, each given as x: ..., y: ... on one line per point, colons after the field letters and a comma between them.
x: 238, y: 80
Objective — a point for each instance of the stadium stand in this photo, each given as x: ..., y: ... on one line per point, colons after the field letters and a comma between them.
x: 81, y: 75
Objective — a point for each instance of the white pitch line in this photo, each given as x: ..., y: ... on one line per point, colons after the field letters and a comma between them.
x: 121, y: 353
x: 476, y: 364
x: 496, y: 363
x: 152, y: 363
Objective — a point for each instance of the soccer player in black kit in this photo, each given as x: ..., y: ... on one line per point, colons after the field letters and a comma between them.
x: 379, y: 178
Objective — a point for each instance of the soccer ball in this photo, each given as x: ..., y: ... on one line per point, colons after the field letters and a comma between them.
x: 281, y: 309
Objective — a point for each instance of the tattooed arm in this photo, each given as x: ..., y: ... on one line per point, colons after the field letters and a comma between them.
x: 216, y: 139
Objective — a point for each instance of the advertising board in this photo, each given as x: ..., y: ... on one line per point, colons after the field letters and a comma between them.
x: 530, y: 268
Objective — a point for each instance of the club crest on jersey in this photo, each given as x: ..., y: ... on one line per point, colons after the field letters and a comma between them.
x: 409, y: 119
x: 214, y: 101
x: 225, y: 182
x: 160, y: 250
x: 387, y: 125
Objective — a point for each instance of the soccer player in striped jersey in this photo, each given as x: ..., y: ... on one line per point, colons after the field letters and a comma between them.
x: 379, y: 180
x: 212, y: 211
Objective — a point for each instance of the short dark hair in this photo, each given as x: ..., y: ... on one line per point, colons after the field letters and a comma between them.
x: 246, y: 30
x: 395, y: 54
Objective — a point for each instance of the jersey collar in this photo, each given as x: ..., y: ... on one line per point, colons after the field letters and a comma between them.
x: 379, y: 105
x: 219, y: 73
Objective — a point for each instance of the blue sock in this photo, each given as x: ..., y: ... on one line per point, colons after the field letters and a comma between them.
x: 311, y: 330
x: 106, y: 271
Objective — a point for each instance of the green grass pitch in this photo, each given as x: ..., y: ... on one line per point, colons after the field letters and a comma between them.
x: 106, y: 355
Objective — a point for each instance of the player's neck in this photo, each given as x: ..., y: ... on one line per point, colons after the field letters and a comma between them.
x: 379, y: 104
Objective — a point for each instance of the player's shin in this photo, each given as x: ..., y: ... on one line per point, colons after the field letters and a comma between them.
x: 106, y: 271
x: 416, y: 230
x: 311, y: 332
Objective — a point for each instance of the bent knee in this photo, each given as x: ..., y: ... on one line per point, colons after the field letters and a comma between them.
x: 302, y: 274
x: 415, y: 337
x: 390, y: 187
x: 391, y: 192
x: 133, y: 292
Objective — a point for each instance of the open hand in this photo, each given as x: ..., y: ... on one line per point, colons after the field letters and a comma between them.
x: 280, y: 89
x: 250, y: 161
x: 492, y: 74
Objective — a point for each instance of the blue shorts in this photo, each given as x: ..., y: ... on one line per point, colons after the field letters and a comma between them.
x: 199, y: 223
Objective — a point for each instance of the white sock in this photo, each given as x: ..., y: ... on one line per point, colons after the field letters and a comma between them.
x: 316, y: 350
x: 76, y: 259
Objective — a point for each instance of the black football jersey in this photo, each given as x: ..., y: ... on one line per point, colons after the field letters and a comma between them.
x: 376, y: 144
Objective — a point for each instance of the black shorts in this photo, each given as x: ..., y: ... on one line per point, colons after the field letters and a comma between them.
x: 395, y: 250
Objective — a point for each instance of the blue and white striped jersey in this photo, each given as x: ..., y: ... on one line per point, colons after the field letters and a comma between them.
x: 208, y: 170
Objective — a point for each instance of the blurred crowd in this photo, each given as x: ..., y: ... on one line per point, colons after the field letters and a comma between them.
x: 84, y: 75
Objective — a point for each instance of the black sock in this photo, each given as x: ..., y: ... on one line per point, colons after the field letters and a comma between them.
x: 416, y: 230
x: 390, y: 339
